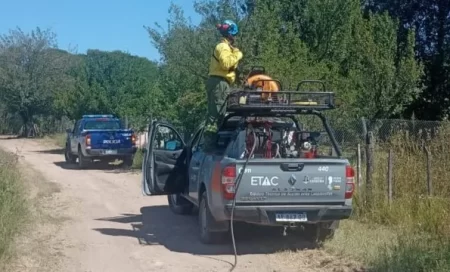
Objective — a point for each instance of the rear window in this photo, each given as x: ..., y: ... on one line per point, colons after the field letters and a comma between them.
x: 102, y: 124
x: 287, y: 141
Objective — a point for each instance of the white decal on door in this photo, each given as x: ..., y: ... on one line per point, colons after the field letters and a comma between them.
x: 330, y: 181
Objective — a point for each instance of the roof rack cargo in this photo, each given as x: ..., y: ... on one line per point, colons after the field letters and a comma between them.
x: 289, y: 102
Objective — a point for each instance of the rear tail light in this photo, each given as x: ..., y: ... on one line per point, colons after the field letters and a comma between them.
x: 349, y: 184
x: 87, y: 140
x: 228, y: 182
x: 133, y: 139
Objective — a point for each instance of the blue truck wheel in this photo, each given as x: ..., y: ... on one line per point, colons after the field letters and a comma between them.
x: 68, y: 155
x: 82, y: 161
x: 128, y: 161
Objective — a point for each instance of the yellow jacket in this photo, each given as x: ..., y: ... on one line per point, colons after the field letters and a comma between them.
x: 224, y: 61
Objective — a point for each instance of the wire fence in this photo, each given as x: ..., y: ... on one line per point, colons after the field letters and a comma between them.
x: 397, y: 158
x: 393, y: 155
x: 351, y: 133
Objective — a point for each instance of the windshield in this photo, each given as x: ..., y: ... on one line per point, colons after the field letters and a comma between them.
x: 102, y: 124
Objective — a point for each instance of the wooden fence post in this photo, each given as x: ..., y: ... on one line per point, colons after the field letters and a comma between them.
x: 390, y: 175
x: 429, y: 181
x: 370, y: 150
x: 358, y: 166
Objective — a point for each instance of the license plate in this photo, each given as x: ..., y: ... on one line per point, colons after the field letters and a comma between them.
x: 291, y: 217
x: 110, y: 152
x: 111, y: 141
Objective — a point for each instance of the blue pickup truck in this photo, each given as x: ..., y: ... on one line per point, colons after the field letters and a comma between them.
x: 99, y: 137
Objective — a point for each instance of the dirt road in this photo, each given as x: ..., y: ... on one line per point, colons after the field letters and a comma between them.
x: 107, y: 225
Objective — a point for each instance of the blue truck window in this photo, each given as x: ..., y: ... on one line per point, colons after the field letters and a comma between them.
x: 173, y: 145
x: 166, y: 139
x: 102, y: 124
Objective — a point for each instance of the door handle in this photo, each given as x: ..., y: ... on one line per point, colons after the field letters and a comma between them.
x: 292, y: 166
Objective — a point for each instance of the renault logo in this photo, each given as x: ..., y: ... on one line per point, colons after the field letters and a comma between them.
x: 292, y: 180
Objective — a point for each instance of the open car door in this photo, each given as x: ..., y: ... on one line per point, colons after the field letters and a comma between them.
x: 164, y: 169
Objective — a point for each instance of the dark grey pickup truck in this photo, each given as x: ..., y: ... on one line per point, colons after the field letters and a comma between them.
x: 292, y: 177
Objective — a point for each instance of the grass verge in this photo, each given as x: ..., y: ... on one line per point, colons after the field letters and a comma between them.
x: 13, y: 206
x: 138, y: 158
x: 411, y: 233
x: 59, y: 139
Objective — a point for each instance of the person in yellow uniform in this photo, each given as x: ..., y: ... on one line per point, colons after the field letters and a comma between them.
x: 222, y: 73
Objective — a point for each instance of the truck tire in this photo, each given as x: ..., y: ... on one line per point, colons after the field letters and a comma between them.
x: 319, y: 233
x: 205, y: 220
x: 179, y: 205
x: 68, y: 156
x: 128, y: 162
x: 82, y: 161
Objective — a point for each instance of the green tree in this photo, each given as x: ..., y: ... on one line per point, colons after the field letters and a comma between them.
x: 114, y: 83
x: 32, y: 70
x: 430, y: 20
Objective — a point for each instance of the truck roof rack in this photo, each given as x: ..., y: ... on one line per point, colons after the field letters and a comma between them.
x: 292, y: 102
x: 253, y: 102
x: 98, y: 116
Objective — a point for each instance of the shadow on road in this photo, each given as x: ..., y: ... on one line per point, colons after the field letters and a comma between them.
x: 157, y: 225
x: 108, y: 168
x: 55, y: 151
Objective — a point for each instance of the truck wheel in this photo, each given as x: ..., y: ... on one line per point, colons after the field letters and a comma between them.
x: 319, y: 233
x: 68, y: 156
x: 179, y: 205
x: 128, y: 162
x: 205, y: 220
x: 82, y: 161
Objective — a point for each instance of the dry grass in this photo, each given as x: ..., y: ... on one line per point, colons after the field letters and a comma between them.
x: 360, y: 241
x: 413, y: 232
x: 138, y: 158
x: 412, y: 207
x: 59, y: 139
x: 13, y: 205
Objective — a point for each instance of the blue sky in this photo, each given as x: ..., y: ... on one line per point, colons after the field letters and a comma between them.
x: 99, y: 24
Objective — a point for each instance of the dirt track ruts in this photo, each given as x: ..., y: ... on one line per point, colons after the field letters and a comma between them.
x: 111, y: 227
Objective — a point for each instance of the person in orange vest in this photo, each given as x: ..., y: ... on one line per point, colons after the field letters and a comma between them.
x: 222, y: 73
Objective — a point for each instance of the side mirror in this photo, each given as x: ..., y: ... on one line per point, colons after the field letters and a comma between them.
x: 144, y: 150
x: 69, y: 130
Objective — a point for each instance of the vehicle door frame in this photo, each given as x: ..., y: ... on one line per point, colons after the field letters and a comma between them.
x: 74, y: 136
x: 193, y: 189
x: 150, y: 187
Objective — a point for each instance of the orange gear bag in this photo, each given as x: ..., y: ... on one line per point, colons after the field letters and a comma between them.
x: 265, y: 83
